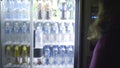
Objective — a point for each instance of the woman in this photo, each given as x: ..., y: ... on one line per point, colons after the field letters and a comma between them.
x: 106, y: 31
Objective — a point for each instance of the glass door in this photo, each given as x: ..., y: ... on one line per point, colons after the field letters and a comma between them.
x: 54, y: 33
x: 15, y: 33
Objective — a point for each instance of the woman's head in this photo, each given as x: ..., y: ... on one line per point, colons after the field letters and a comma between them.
x: 108, y: 14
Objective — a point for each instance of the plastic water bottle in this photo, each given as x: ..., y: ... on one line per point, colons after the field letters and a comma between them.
x: 69, y: 32
x: 46, y: 31
x: 54, y: 32
x: 25, y: 9
x: 8, y: 27
x: 16, y: 27
x: 8, y: 9
x: 55, y: 54
x: 16, y: 32
x: 62, y: 31
x: 47, y: 53
x: 70, y: 54
x: 38, y: 35
x: 16, y: 9
x: 25, y: 30
x: 62, y: 52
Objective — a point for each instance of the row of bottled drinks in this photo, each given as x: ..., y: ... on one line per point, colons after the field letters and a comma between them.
x: 44, y: 27
x: 41, y: 9
x: 19, y: 54
x: 16, y: 53
x: 56, y: 55
x: 44, y: 31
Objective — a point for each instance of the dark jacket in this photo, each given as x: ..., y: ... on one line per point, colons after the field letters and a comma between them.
x: 106, y: 53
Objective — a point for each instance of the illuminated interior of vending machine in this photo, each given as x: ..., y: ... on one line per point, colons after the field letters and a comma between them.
x: 37, y: 33
x: 54, y: 30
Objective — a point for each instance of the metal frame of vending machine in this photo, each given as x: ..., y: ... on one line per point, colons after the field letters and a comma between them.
x: 78, y: 62
x: 0, y: 39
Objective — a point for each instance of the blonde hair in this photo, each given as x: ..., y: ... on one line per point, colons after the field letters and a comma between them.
x: 94, y: 29
x: 108, y: 18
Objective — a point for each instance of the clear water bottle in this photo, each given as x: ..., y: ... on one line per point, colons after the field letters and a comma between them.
x: 38, y: 35
x: 70, y: 54
x: 16, y: 9
x: 16, y: 27
x: 46, y: 31
x: 62, y: 52
x: 54, y: 32
x: 8, y: 7
x: 55, y: 54
x: 47, y: 53
x: 16, y: 32
x: 69, y: 32
x: 24, y: 30
x: 69, y: 27
x: 23, y: 27
x: 62, y: 31
x: 25, y: 9
x: 8, y: 27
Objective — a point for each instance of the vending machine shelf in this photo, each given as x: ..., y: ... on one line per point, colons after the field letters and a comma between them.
x: 17, y: 66
x: 53, y: 66
x: 58, y: 20
x: 16, y: 20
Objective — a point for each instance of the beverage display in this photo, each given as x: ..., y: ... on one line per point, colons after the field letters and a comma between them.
x: 40, y: 32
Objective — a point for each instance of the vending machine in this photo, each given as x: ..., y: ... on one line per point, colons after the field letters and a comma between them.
x: 40, y: 33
